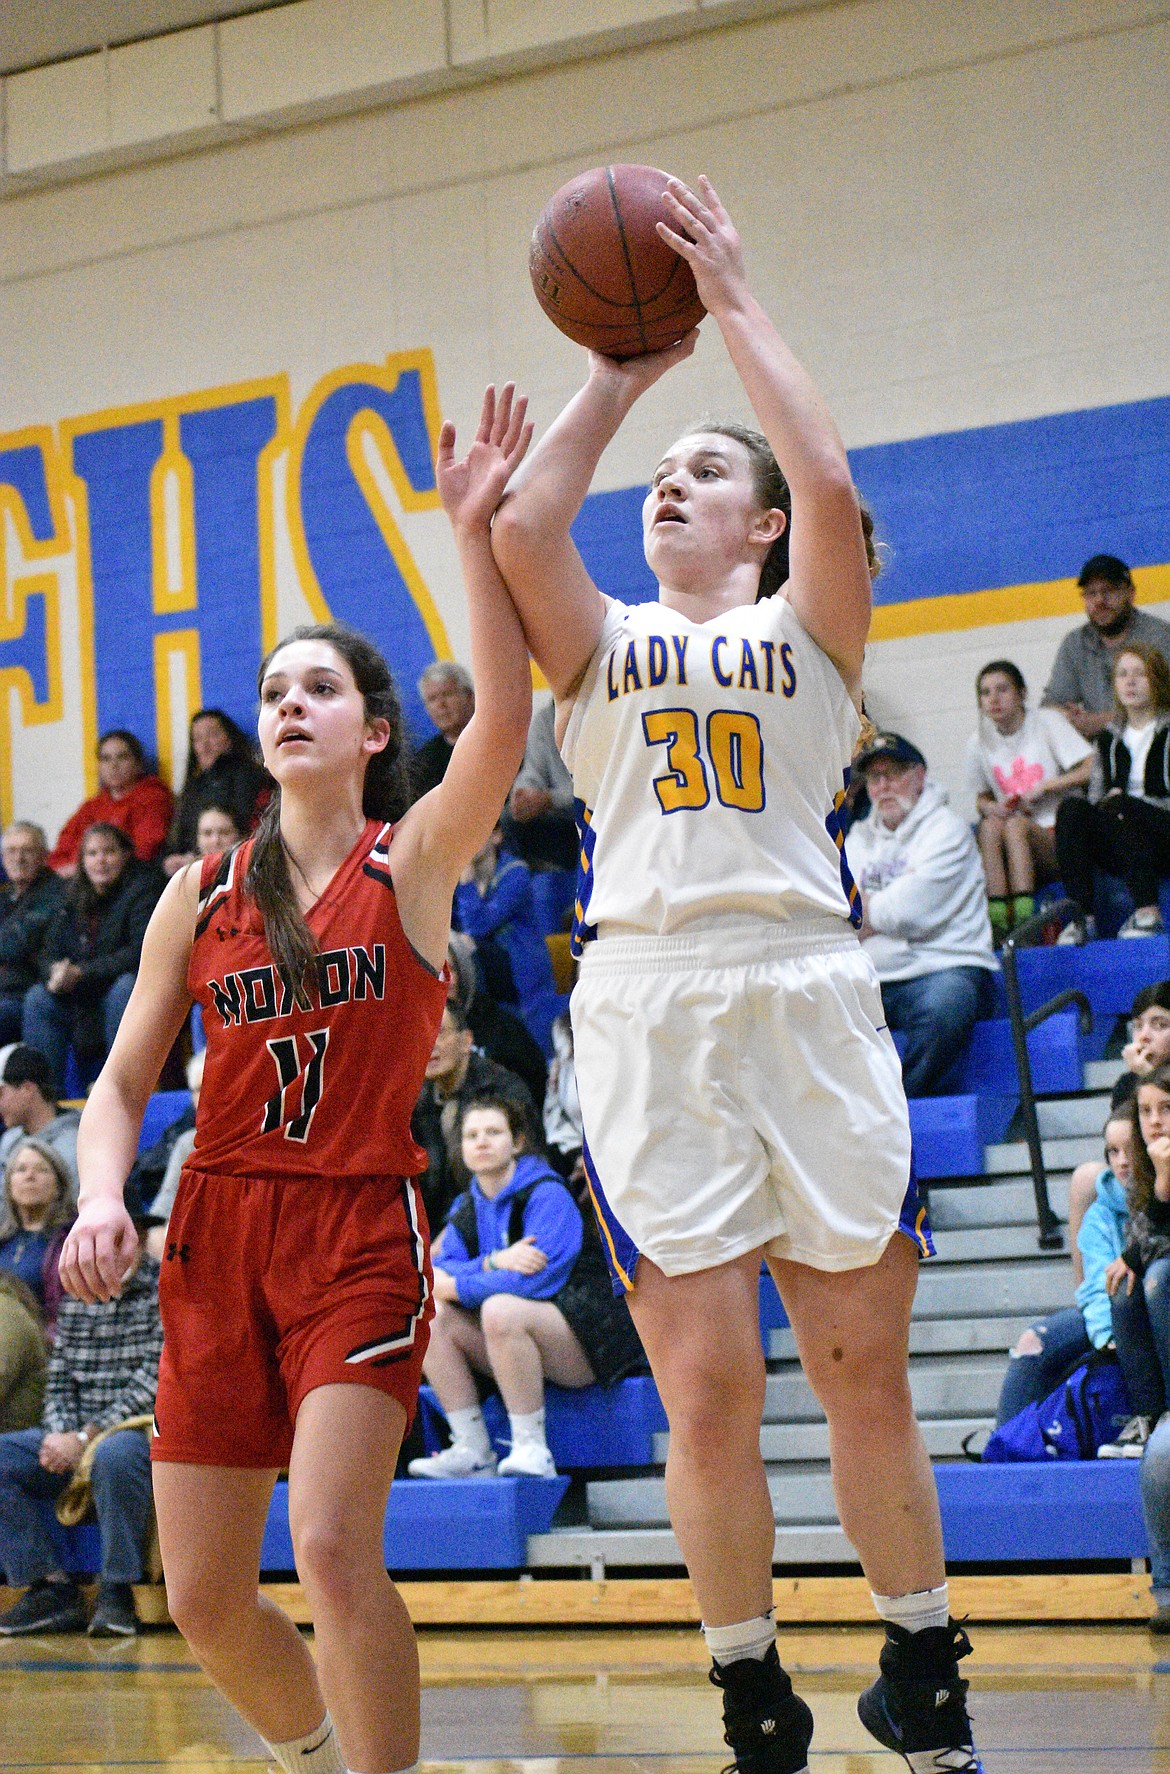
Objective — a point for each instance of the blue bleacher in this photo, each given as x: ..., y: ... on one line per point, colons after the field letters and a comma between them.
x: 590, y: 1426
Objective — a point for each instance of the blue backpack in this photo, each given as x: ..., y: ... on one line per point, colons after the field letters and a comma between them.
x: 1084, y: 1412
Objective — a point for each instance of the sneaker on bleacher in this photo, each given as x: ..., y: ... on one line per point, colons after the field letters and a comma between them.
x: 1147, y: 922
x: 1078, y: 932
x: 460, y: 1460
x: 528, y: 1459
x: 1130, y: 1443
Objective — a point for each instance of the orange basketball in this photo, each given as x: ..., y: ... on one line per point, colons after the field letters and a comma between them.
x: 601, y: 271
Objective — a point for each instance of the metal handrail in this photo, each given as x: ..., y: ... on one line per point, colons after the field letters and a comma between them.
x: 1051, y: 1236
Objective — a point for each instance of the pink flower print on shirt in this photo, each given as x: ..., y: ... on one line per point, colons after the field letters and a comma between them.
x: 1019, y: 779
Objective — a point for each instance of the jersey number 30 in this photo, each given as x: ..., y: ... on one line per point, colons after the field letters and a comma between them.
x: 291, y: 1108
x: 735, y: 751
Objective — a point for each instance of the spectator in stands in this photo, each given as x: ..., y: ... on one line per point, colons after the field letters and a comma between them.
x: 925, y: 922
x: 538, y: 822
x: 28, y: 1105
x: 1148, y: 1046
x: 448, y: 695
x: 563, y: 1128
x: 28, y: 900
x: 496, y: 1031
x: 131, y: 797
x: 1020, y: 764
x: 23, y: 1356
x: 1082, y: 673
x: 1124, y: 826
x: 222, y: 771
x: 216, y: 832
x: 522, y: 1294
x: 495, y: 907
x: 103, y: 1372
x: 181, y: 1147
x: 1049, y: 1348
x: 37, y: 1211
x: 91, y: 952
x: 1139, y: 1279
x: 455, y: 1073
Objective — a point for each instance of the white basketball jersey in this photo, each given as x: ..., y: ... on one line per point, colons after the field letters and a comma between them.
x: 709, y: 762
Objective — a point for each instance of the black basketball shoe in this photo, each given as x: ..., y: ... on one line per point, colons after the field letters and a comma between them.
x: 766, y: 1726
x: 918, y: 1706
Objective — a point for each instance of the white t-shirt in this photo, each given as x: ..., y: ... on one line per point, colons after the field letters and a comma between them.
x: 1004, y: 765
x: 1137, y: 741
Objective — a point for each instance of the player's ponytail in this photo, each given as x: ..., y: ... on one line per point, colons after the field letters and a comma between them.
x: 385, y: 796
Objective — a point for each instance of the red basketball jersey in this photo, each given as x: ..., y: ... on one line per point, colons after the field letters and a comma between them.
x: 324, y: 1091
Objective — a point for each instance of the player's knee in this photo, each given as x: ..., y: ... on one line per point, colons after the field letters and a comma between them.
x: 711, y: 1410
x: 328, y: 1562
x: 864, y: 1385
x: 207, y: 1613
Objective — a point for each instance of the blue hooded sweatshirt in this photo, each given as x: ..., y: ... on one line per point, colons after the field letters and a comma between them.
x: 551, y: 1217
x: 1100, y: 1240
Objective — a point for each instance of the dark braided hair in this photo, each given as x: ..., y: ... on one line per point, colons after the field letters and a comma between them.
x: 385, y: 796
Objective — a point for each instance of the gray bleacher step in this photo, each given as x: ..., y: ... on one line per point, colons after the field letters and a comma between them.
x: 937, y: 1336
x: 1069, y: 1117
x: 1039, y: 1284
x: 797, y: 1496
x: 1102, y: 1074
x: 986, y: 1244
x: 1059, y: 1154
x: 941, y: 1386
x: 784, y: 1444
x: 587, y: 1547
x: 1010, y: 1202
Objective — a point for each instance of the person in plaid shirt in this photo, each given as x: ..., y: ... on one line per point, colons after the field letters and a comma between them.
x: 103, y: 1370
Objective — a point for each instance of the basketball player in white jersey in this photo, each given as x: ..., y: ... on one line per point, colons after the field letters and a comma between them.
x: 741, y: 1094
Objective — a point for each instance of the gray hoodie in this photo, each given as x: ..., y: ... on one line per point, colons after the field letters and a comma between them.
x: 925, y: 890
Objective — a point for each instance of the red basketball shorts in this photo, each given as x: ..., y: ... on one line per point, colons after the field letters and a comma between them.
x: 273, y: 1286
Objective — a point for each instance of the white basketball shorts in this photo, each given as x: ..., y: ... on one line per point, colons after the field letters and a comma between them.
x: 740, y: 1091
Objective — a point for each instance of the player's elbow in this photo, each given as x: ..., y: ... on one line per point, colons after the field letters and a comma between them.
x: 518, y: 536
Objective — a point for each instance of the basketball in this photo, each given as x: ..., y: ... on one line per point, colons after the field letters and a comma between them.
x: 601, y: 271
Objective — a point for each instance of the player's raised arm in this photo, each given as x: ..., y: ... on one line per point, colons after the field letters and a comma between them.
x: 102, y: 1240
x: 454, y: 820
x: 829, y: 581
x: 559, y: 605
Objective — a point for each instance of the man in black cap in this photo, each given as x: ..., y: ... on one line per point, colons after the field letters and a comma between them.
x: 1081, y: 684
x: 28, y: 1105
x: 924, y: 900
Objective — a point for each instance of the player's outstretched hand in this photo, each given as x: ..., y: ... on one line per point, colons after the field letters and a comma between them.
x: 471, y: 489
x: 701, y: 232
x: 98, y: 1251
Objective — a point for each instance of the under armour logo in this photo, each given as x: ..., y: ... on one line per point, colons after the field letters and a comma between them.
x: 942, y: 1696
x: 182, y: 1251
x: 768, y: 1727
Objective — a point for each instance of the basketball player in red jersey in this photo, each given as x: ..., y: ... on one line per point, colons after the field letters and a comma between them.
x: 296, y: 1286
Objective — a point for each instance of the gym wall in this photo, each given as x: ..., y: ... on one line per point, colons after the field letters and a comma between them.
x: 223, y: 370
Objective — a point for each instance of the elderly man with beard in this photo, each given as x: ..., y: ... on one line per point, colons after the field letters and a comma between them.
x: 924, y: 899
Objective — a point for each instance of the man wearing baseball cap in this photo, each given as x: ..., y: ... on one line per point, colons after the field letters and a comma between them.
x: 28, y: 1104
x: 1081, y: 684
x: 924, y: 900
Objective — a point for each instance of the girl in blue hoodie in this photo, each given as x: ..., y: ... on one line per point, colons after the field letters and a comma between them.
x: 1053, y: 1345
x: 522, y: 1294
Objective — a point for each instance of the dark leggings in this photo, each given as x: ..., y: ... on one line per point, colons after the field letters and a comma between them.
x: 1120, y: 836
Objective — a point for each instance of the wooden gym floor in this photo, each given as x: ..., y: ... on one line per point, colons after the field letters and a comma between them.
x: 1046, y: 1700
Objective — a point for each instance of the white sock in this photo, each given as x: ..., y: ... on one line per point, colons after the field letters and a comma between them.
x: 528, y: 1427
x: 749, y: 1638
x: 469, y: 1427
x: 413, y: 1769
x: 917, y: 1612
x: 315, y: 1754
